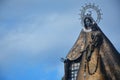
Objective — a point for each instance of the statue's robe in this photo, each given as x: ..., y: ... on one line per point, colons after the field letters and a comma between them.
x: 104, y: 58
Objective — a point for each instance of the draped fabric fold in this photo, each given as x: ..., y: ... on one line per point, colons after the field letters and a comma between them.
x: 108, y: 67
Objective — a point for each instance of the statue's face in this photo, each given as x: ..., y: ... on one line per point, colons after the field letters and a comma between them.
x: 88, y: 23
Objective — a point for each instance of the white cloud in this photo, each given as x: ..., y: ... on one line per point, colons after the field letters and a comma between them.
x: 37, y: 37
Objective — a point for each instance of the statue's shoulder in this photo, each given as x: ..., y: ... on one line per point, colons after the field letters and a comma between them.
x: 82, y: 31
x: 97, y: 32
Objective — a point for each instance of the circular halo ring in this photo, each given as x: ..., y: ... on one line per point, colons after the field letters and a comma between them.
x: 90, y: 6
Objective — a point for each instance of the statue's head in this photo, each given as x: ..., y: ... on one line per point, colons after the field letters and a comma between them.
x: 87, y: 15
x: 88, y: 23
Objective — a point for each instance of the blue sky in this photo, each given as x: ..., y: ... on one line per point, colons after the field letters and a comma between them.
x: 35, y: 34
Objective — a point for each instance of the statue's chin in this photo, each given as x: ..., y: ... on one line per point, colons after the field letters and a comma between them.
x: 87, y: 30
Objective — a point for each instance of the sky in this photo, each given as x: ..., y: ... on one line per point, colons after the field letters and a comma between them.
x: 35, y: 34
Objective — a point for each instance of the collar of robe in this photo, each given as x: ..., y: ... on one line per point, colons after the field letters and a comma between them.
x: 87, y: 30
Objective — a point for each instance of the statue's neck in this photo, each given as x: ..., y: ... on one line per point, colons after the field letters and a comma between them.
x: 87, y: 30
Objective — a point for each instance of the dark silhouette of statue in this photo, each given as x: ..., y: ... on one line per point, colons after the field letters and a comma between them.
x: 93, y: 56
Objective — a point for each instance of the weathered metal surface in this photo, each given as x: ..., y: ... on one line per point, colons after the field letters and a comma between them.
x: 105, y: 58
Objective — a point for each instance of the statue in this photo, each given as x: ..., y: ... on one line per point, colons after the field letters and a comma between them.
x: 93, y: 57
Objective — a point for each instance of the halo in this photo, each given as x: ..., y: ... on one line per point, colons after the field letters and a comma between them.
x: 88, y: 7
